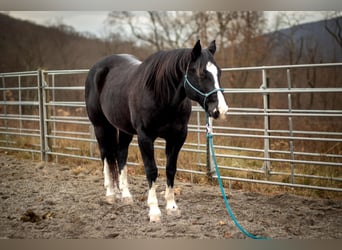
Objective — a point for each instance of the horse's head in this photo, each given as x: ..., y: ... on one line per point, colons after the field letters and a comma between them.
x: 202, y: 81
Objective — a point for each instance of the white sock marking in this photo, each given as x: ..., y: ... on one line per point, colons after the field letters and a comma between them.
x: 123, y: 183
x: 108, y: 180
x: 152, y: 202
x: 170, y: 199
x: 222, y: 105
x: 111, y: 190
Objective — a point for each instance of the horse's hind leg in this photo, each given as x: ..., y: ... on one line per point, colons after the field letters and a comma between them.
x: 106, y: 136
x: 122, y: 153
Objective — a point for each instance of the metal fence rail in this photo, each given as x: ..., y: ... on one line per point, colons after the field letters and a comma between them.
x: 42, y: 113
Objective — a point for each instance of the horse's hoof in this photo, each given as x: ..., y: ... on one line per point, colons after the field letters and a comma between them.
x: 110, y: 199
x: 127, y: 200
x: 155, y: 214
x: 113, y: 197
x: 155, y: 218
x: 173, y: 212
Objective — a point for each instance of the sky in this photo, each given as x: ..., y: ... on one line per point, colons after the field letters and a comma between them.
x: 95, y: 21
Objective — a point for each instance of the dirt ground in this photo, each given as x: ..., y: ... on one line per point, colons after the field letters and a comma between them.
x: 55, y: 201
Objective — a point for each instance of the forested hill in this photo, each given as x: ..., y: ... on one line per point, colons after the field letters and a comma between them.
x: 28, y: 46
x: 310, y: 42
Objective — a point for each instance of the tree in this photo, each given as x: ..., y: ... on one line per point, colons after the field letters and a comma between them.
x: 161, y: 30
x: 289, y: 38
x: 291, y: 44
x: 334, y: 28
x: 176, y: 29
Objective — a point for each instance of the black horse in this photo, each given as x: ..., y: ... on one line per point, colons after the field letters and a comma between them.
x: 125, y: 96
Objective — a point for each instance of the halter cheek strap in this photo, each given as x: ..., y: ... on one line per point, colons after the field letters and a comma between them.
x: 205, y: 95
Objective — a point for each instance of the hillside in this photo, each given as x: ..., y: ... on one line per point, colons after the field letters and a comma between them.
x: 309, y: 43
x: 28, y: 46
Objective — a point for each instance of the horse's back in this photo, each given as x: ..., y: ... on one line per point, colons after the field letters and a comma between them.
x: 117, y: 63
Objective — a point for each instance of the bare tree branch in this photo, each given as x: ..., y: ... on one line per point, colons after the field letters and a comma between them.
x: 336, y: 31
x: 169, y: 29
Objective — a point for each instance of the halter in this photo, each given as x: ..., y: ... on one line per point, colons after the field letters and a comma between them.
x: 205, y: 95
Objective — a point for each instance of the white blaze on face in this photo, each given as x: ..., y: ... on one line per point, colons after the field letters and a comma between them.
x: 222, y: 106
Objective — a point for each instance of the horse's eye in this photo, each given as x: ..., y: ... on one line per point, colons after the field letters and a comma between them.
x: 204, y: 74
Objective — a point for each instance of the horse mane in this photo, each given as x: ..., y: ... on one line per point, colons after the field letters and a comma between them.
x: 162, y: 72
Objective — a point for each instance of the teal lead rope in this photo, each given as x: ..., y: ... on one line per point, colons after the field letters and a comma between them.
x: 229, y: 209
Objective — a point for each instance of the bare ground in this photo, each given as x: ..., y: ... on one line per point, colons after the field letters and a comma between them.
x: 52, y: 201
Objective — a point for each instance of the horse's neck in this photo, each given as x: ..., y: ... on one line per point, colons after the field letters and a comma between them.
x: 179, y: 95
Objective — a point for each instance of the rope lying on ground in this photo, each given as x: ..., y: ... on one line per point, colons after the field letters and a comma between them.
x: 229, y: 209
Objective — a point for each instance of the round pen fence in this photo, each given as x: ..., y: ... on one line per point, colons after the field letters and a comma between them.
x: 283, y: 127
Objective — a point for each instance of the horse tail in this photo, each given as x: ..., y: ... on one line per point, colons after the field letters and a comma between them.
x: 93, y: 87
x: 95, y: 82
x: 100, y: 78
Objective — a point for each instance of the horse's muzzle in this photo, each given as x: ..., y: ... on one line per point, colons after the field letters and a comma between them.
x: 214, y: 114
x: 218, y: 112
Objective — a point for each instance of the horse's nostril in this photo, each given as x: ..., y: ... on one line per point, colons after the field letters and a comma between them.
x: 216, y: 114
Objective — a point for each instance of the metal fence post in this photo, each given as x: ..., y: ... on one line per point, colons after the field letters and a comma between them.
x: 20, y: 106
x: 42, y: 114
x: 288, y: 74
x: 91, y: 144
x: 198, y: 116
x: 266, y: 167
x: 54, y: 127
x: 5, y: 109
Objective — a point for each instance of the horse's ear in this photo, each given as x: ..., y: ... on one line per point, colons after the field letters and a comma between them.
x: 212, y: 47
x: 196, y: 51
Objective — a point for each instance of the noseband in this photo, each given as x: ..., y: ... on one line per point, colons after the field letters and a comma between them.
x: 205, y: 95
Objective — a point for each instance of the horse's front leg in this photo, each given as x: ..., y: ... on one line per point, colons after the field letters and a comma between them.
x: 147, y: 152
x: 173, y: 146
